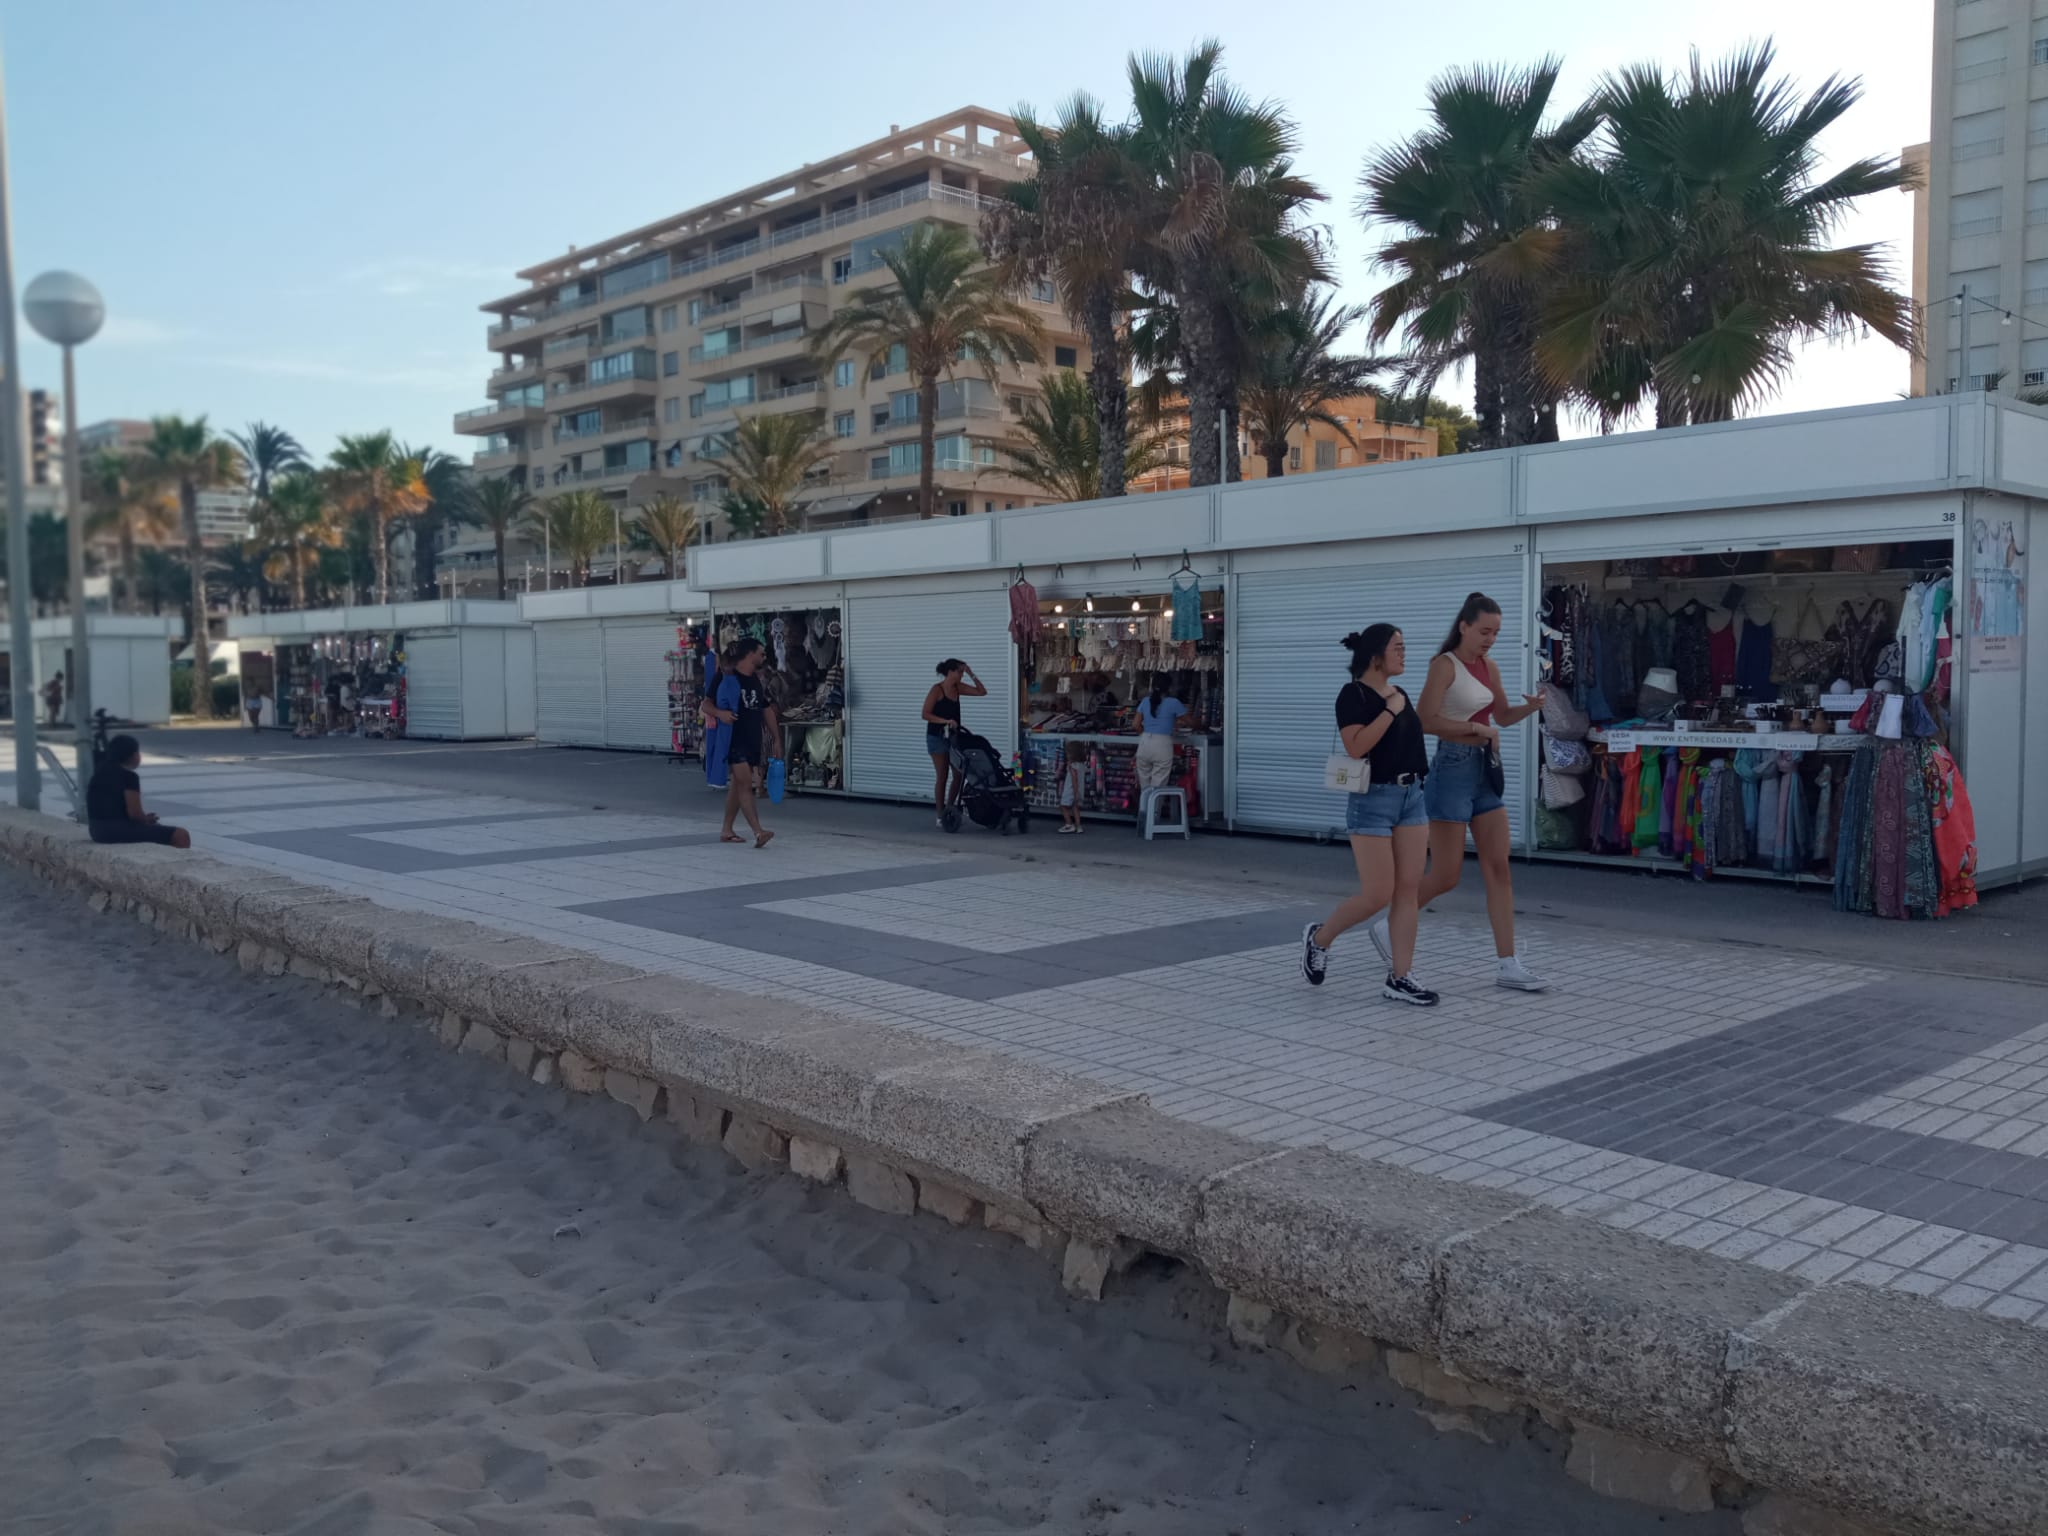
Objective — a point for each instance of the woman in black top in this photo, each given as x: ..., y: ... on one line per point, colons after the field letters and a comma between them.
x: 942, y: 717
x: 1389, y: 824
x: 113, y: 801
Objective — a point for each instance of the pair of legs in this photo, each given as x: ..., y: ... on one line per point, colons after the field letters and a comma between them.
x: 739, y: 801
x: 1070, y: 798
x: 1390, y: 877
x: 1447, y: 863
x: 942, y: 775
x: 139, y: 832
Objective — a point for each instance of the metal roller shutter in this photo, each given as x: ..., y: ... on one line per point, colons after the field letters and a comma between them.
x: 1288, y: 626
x: 433, y: 687
x: 636, y: 682
x: 893, y: 645
x: 569, y: 683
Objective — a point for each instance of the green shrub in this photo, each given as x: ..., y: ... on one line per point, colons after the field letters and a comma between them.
x: 227, y: 698
x: 181, y: 690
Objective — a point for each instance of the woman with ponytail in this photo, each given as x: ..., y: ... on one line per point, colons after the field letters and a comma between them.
x: 1388, y: 824
x: 1158, y: 715
x: 1465, y: 707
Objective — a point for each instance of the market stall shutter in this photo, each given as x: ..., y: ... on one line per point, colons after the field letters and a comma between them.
x: 636, y: 682
x: 569, y: 682
x: 1290, y: 663
x: 433, y: 686
x: 893, y: 646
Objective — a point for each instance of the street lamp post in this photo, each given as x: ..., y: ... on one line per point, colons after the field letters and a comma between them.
x: 28, y: 791
x: 66, y: 311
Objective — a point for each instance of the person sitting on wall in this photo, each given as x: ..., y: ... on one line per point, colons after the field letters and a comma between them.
x: 113, y: 801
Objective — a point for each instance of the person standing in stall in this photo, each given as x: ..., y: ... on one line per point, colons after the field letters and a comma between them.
x: 1465, y: 707
x: 1388, y: 825
x: 1159, y: 715
x: 942, y: 717
x: 743, y: 704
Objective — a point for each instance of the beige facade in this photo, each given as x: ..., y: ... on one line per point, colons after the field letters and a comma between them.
x: 624, y: 366
x: 1365, y: 440
x: 1987, y: 198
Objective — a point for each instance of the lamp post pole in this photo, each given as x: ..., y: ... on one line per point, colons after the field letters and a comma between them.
x: 28, y: 789
x: 66, y: 309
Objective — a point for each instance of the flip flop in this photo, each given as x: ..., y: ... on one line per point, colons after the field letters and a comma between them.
x: 764, y: 839
x: 727, y: 837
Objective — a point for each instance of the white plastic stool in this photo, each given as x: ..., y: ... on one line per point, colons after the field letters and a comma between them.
x: 1153, y: 799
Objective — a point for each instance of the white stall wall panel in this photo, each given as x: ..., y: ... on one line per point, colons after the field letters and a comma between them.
x: 1993, y: 714
x: 1375, y: 501
x: 636, y: 682
x: 1744, y: 461
x: 519, y: 699
x: 483, y: 684
x: 757, y: 563
x: 945, y: 544
x: 893, y: 648
x: 2034, y: 768
x: 1090, y: 530
x: 1291, y: 664
x: 569, y: 682
x: 113, y: 681
x: 1809, y: 524
x: 2023, y: 449
x: 433, y: 686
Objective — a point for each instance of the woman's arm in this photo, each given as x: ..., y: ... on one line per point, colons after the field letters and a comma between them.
x: 1504, y: 713
x: 135, y: 811
x: 1361, y: 739
x: 973, y: 688
x: 931, y: 702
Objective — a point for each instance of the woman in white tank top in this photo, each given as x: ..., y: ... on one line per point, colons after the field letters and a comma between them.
x: 1465, y: 707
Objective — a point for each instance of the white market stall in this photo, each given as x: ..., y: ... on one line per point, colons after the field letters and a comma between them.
x: 452, y: 670
x: 613, y: 666
x: 1823, y: 505
x: 131, y: 662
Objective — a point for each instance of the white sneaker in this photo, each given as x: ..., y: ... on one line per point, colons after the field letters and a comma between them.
x: 1517, y: 977
x: 1382, y: 940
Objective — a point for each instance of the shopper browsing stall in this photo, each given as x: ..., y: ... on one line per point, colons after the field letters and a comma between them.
x: 1389, y: 828
x: 942, y: 718
x: 1466, y: 708
x: 1159, y: 715
x: 743, y: 705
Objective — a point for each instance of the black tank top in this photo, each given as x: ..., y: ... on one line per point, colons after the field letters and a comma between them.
x: 947, y: 709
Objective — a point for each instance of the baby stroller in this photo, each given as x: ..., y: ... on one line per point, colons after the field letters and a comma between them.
x: 983, y: 788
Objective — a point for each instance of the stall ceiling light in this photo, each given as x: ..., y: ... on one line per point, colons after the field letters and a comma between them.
x: 1091, y: 602
x: 1059, y: 608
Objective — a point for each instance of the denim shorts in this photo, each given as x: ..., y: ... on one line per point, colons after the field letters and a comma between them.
x: 936, y: 744
x: 1458, y: 790
x: 1384, y: 807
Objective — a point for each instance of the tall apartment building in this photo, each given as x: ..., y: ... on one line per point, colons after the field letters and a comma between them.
x: 118, y: 434
x: 1310, y: 448
x: 1987, y: 194
x: 42, y: 438
x: 624, y: 367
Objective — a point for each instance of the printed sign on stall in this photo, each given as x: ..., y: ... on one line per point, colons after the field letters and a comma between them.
x: 1998, y: 596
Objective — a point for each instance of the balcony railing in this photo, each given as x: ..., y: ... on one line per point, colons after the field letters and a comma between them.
x: 790, y: 391
x: 784, y: 284
x: 1978, y: 150
x: 1965, y: 228
x: 1984, y: 71
x: 642, y: 368
x: 774, y: 338
x: 713, y: 311
x: 567, y: 346
x: 511, y: 371
x: 613, y: 471
x: 702, y: 354
x: 566, y: 433
x: 513, y: 323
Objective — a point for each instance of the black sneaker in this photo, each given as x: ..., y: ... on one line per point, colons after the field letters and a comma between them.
x: 1315, y: 962
x: 1404, y: 989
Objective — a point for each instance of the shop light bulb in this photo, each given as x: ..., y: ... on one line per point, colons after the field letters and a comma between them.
x: 1058, y: 608
x: 1135, y: 606
x: 1091, y: 602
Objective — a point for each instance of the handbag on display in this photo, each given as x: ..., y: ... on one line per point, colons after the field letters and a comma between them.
x: 1562, y: 719
x: 1555, y: 829
x: 1559, y: 789
x: 1562, y: 755
x: 1809, y: 654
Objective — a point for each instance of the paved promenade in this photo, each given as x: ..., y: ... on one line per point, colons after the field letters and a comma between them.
x: 1830, y: 1121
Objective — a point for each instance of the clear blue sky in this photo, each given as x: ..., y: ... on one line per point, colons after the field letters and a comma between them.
x: 294, y: 207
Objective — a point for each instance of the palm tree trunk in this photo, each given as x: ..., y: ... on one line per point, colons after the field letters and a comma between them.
x: 498, y: 540
x: 380, y: 536
x: 129, y: 599
x: 1112, y: 394
x: 1486, y: 391
x: 927, y: 445
x: 299, y: 573
x: 195, y: 556
x: 1275, y: 453
x: 1233, y: 463
x: 1205, y: 391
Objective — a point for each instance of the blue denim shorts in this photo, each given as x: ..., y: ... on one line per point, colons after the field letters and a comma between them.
x: 935, y: 743
x: 1458, y: 790
x: 1384, y: 807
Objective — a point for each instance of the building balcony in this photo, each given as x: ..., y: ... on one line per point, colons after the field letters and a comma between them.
x: 808, y: 396
x: 632, y: 426
x: 567, y: 349
x: 490, y: 460
x: 636, y: 380
x: 496, y: 416
x: 770, y: 346
x: 514, y: 373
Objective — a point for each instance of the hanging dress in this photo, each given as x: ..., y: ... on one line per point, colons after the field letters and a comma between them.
x: 1955, y: 834
x: 1753, y: 662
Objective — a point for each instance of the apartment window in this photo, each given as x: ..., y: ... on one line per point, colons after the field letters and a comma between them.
x: 1065, y: 357
x: 1370, y: 458
x: 1016, y: 403
x: 1326, y: 455
x: 1008, y: 505
x: 907, y: 458
x: 1346, y: 456
x: 1043, y: 292
x: 956, y: 509
x: 878, y: 467
x: 668, y: 317
x: 672, y: 410
x: 879, y: 417
x: 842, y: 373
x: 842, y: 424
x: 1980, y: 57
x: 671, y: 364
x: 896, y: 361
x: 988, y: 506
x: 903, y: 405
x: 1975, y: 213
x: 1294, y: 458
x: 842, y: 268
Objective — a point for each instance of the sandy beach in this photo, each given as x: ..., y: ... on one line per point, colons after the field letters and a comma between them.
x: 271, y: 1264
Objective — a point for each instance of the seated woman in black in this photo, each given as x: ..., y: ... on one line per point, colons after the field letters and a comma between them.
x: 113, y: 801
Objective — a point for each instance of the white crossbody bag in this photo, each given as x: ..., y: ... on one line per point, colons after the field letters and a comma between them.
x: 1346, y: 774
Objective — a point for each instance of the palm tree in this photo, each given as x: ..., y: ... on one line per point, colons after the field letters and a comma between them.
x: 161, y: 578
x: 574, y: 526
x: 1060, y: 450
x: 1224, y: 235
x: 371, y: 480
x: 297, y: 521
x: 946, y: 308
x: 1696, y: 242
x: 1074, y: 223
x: 1297, y: 370
x: 267, y: 452
x: 450, y: 494
x: 124, y: 504
x: 666, y: 525
x: 238, y: 572
x: 744, y: 516
x: 185, y: 455
x: 501, y: 504
x: 1475, y: 243
x: 772, y: 456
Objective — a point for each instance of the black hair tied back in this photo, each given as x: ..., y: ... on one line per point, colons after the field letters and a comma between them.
x: 1369, y: 645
